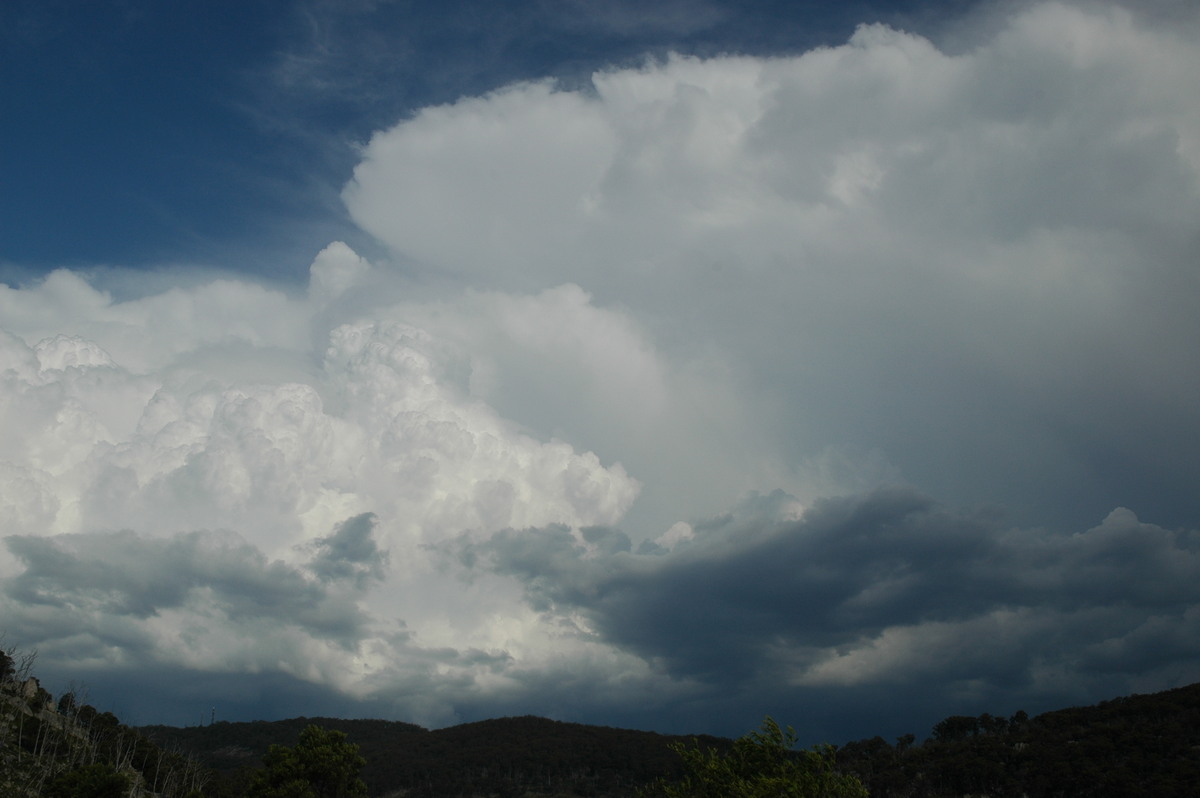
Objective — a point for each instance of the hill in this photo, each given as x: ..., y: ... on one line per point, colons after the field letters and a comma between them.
x: 1139, y: 745
x: 504, y: 756
x: 67, y: 748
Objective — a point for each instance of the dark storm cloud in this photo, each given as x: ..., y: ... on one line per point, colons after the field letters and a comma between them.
x: 350, y: 552
x: 869, y: 581
x: 125, y: 574
x: 181, y: 696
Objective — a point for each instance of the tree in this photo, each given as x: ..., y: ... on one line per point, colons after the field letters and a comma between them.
x: 322, y: 765
x: 7, y: 666
x: 99, y: 780
x: 66, y: 704
x: 763, y: 764
x: 955, y: 727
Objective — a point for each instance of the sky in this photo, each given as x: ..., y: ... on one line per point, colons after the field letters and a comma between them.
x: 662, y: 366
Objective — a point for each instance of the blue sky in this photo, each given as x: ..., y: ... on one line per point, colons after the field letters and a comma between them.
x: 659, y: 366
x: 137, y: 133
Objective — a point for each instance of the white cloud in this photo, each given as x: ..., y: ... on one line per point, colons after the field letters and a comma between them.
x: 335, y: 269
x: 979, y: 258
x: 233, y: 423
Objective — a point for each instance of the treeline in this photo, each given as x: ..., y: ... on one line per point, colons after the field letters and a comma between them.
x: 502, y: 757
x: 67, y: 748
x: 1140, y: 745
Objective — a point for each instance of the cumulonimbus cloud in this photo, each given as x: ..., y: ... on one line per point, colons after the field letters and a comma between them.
x: 978, y: 258
x: 803, y: 276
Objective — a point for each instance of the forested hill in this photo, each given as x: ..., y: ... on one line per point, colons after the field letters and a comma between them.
x: 505, y: 756
x: 1138, y: 745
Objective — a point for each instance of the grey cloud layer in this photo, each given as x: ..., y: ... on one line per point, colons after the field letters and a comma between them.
x: 125, y: 574
x: 884, y: 587
x: 350, y: 552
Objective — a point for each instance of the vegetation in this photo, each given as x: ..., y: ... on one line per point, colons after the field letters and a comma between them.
x: 504, y: 756
x: 69, y: 748
x: 763, y: 764
x: 1141, y: 745
x: 322, y: 765
x: 97, y: 780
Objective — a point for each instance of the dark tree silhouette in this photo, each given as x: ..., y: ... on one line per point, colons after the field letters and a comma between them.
x: 322, y: 765
x: 763, y: 764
